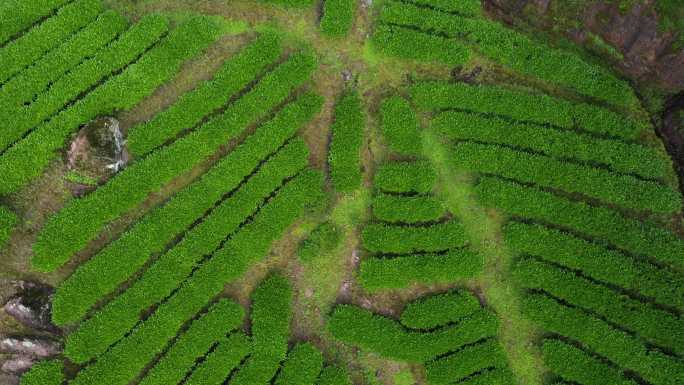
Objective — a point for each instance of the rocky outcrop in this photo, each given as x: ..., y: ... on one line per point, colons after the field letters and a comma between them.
x: 31, y: 306
x: 25, y: 346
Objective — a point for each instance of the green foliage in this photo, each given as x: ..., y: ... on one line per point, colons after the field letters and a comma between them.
x: 322, y: 239
x: 32, y: 45
x: 599, y: 223
x: 379, y: 273
x: 462, y: 7
x: 290, y: 3
x: 491, y: 377
x: 75, y: 177
x: 525, y: 106
x: 400, y: 126
x: 407, y: 209
x: 49, y: 372
x: 29, y: 83
x: 333, y: 375
x: 8, y: 221
x: 208, y: 97
x: 406, y: 177
x: 427, y: 19
x: 18, y: 15
x: 221, y: 361
x: 466, y: 362
x: 347, y: 139
x: 81, y: 220
x: 397, y: 239
x: 573, y: 364
x: 180, y: 358
x: 338, y: 17
x: 622, y: 157
x: 439, y: 310
x: 356, y: 326
x: 303, y: 364
x: 596, y: 261
x: 410, y: 44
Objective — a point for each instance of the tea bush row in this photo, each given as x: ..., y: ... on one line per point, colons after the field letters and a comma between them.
x: 405, y: 177
x: 406, y: 43
x: 407, y: 209
x: 338, y: 17
x: 347, y: 139
x: 397, y: 239
x: 302, y: 367
x: 333, y: 375
x: 466, y: 362
x: 219, y: 363
x: 48, y: 372
x: 439, y: 310
x: 19, y: 15
x: 8, y: 221
x: 400, y: 126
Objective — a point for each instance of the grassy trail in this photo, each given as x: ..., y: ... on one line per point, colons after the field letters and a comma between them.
x: 516, y: 333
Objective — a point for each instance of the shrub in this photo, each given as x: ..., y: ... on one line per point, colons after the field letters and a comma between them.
x: 525, y: 106
x: 406, y: 177
x: 407, y: 209
x: 623, y: 190
x: 492, y: 377
x: 462, y: 7
x: 398, y: 272
x: 81, y: 220
x: 356, y: 326
x: 439, y: 310
x: 322, y: 239
x: 400, y: 126
x: 333, y: 375
x: 179, y: 359
x: 466, y: 362
x: 410, y: 44
x: 427, y: 19
x: 602, y: 224
x: 345, y: 146
x: 19, y: 15
x: 48, y: 372
x: 393, y: 239
x: 303, y: 364
x: 208, y: 97
x: 29, y: 83
x: 8, y: 221
x: 338, y: 17
x: 219, y: 363
x: 20, y: 53
x: 623, y: 157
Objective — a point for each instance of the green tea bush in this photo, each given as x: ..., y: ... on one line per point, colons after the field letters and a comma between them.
x: 573, y: 364
x: 466, y: 362
x: 379, y: 273
x: 48, y: 372
x: 439, y: 310
x: 618, y: 346
x: 18, y: 15
x: 333, y: 375
x: 651, y: 324
x: 427, y: 19
x: 345, y: 146
x: 623, y: 190
x: 407, y: 209
x: 525, y: 106
x: 218, y: 364
x: 81, y: 220
x: 302, y: 367
x: 179, y: 359
x: 405, y: 177
x: 322, y: 239
x: 462, y: 7
x: 400, y: 126
x: 356, y: 326
x: 338, y: 17
x: 410, y: 44
x: 8, y: 221
x: 208, y: 97
x: 271, y: 316
x: 20, y: 53
x: 623, y: 157
x: 599, y: 223
x: 394, y: 239
x: 120, y: 364
x: 491, y: 377
x: 29, y: 83
x: 597, y: 262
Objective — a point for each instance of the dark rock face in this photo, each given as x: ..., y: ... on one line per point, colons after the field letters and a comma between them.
x: 32, y: 306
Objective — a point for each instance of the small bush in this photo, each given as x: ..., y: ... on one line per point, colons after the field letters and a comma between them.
x: 400, y: 126
x: 338, y: 17
x: 322, y: 239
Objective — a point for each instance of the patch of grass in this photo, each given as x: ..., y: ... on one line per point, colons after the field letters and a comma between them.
x: 75, y: 177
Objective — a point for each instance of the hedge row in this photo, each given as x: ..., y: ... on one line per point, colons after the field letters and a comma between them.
x: 271, y: 316
x: 462, y: 7
x: 160, y: 280
x: 81, y: 220
x: 427, y: 19
x: 47, y: 372
x: 333, y: 375
x: 491, y: 377
x: 208, y: 97
x: 19, y: 15
x: 600, y: 223
x: 345, y: 146
x: 410, y: 44
x: 392, y: 273
x: 439, y: 310
x: 597, y: 262
x: 322, y: 239
x: 466, y: 362
x: 302, y: 367
x: 620, y: 156
x: 28, y: 84
x: 121, y: 363
x: 618, y: 346
x: 218, y: 364
x: 407, y: 209
x: 356, y: 326
x: 573, y: 364
x: 179, y: 359
x: 79, y: 80
x: 525, y: 106
x: 20, y: 53
x: 396, y: 239
x: 28, y: 158
x: 406, y: 177
x: 654, y: 325
x: 338, y: 17
x: 8, y: 221
x: 623, y: 190
x: 400, y: 126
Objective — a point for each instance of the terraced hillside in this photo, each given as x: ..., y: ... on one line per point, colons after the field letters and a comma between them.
x: 293, y: 192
